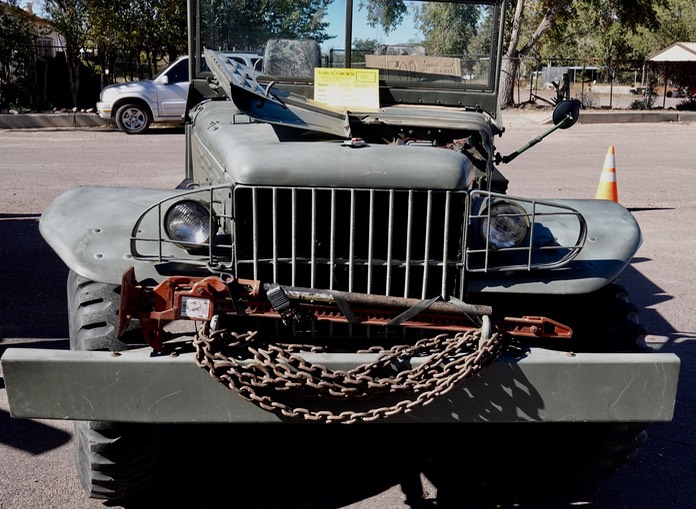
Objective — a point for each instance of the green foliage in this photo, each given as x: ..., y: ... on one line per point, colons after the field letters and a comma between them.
x: 676, y: 23
x: 17, y: 39
x: 362, y: 47
x: 241, y: 26
x: 387, y: 14
x: 448, y: 28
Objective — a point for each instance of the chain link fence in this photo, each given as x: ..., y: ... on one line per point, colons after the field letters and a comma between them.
x: 628, y: 85
x: 634, y: 85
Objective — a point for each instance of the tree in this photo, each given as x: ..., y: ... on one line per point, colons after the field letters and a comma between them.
x: 528, y: 21
x: 542, y: 15
x: 676, y: 23
x: 241, y: 26
x: 442, y: 36
x: 106, y: 34
x: 362, y: 47
x: 69, y: 17
x: 17, y: 39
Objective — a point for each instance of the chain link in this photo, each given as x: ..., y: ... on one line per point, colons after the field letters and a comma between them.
x: 275, y: 378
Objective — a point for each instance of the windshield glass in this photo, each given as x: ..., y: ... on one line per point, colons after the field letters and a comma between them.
x: 414, y: 45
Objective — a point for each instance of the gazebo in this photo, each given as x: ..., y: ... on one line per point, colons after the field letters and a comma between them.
x: 678, y: 61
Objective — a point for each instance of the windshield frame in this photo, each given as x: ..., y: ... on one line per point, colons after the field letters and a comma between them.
x: 474, y: 96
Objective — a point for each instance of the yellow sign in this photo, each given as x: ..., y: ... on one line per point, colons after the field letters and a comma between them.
x: 352, y: 89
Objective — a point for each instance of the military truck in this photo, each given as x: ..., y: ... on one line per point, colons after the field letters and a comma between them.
x: 343, y: 250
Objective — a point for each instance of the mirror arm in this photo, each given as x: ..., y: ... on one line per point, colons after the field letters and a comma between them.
x: 506, y: 159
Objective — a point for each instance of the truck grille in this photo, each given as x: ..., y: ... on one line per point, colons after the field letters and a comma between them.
x: 389, y: 242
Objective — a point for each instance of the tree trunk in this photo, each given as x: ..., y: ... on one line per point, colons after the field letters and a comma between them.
x: 506, y: 94
x: 514, y: 54
x: 72, y: 59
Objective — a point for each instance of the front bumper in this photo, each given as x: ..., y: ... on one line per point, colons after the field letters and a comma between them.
x: 138, y: 386
x: 104, y: 109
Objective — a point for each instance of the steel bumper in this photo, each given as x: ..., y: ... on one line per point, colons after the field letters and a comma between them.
x: 139, y: 386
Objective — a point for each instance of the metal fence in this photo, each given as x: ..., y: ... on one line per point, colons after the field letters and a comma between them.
x: 632, y: 85
x: 598, y: 85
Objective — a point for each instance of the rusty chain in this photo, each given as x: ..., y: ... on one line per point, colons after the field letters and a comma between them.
x: 278, y: 380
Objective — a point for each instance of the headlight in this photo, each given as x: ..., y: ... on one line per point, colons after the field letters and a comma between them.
x: 188, y: 223
x: 508, y: 225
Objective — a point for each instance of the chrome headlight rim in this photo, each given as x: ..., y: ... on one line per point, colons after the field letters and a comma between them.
x: 190, y: 223
x: 504, y: 224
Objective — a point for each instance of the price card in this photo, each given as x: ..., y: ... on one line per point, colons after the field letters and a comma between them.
x: 352, y: 89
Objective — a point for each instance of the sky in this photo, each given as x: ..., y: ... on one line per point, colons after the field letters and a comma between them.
x: 361, y: 30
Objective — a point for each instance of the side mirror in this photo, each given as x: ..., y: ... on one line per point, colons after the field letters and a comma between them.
x: 164, y: 80
x: 566, y: 113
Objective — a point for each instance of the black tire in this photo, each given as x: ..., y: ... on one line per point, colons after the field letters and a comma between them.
x: 114, y: 460
x: 133, y: 118
x: 512, y: 457
x: 575, y: 454
x: 603, y: 321
x: 93, y: 317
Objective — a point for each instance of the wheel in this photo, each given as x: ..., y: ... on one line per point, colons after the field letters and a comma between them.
x: 114, y: 460
x: 603, y: 321
x: 133, y: 118
x: 512, y: 457
x: 93, y: 317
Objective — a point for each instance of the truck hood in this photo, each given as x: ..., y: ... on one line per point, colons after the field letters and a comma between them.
x: 252, y: 154
x: 133, y: 88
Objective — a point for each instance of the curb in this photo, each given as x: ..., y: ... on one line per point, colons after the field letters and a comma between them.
x: 47, y: 120
x: 600, y: 117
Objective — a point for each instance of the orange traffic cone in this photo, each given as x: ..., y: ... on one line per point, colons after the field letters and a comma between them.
x: 607, y: 182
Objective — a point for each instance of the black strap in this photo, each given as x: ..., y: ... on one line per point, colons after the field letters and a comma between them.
x: 425, y: 304
x: 412, y: 311
x: 462, y: 307
x: 344, y: 308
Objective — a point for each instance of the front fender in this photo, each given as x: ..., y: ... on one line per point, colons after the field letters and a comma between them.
x: 613, y: 238
x: 89, y: 227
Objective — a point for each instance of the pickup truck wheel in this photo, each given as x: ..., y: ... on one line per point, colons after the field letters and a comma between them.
x: 133, y: 118
x: 114, y: 459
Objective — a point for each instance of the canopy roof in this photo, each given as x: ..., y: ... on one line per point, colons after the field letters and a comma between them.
x: 677, y: 52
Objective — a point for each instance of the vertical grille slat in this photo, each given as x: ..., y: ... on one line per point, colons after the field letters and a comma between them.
x: 409, y: 227
x: 370, y: 241
x: 274, y: 216
x: 351, y: 242
x: 332, y: 241
x: 255, y: 229
x: 426, y: 247
x: 445, y: 236
x: 293, y: 254
x: 313, y: 257
x: 390, y: 243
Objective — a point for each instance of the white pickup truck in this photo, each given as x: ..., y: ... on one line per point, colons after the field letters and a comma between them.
x: 135, y: 105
